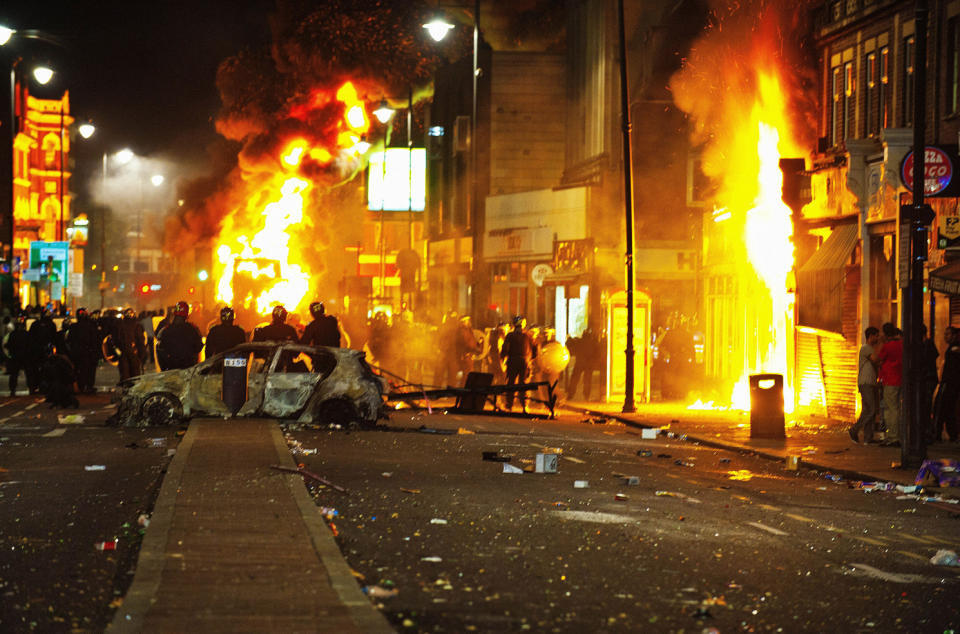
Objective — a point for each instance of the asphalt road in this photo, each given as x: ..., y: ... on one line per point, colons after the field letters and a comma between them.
x: 705, y: 539
x: 464, y: 547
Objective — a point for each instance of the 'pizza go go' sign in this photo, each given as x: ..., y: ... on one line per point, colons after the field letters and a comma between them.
x: 937, y: 171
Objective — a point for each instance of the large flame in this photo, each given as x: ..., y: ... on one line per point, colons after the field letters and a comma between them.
x: 258, y: 265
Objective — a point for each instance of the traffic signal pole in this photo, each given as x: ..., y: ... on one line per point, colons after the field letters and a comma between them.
x: 913, y: 448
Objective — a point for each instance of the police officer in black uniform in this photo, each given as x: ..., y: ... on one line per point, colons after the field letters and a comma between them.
x: 323, y: 330
x: 224, y: 335
x: 19, y: 356
x: 179, y: 343
x: 277, y: 330
x: 58, y: 379
x: 83, y: 348
x: 519, y: 351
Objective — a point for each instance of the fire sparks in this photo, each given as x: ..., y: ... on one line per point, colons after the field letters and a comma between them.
x: 259, y: 265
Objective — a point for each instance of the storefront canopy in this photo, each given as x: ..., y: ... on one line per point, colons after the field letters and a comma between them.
x: 822, y: 281
x: 835, y: 250
x: 946, y: 279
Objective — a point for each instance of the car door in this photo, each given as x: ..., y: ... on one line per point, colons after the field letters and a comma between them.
x: 259, y: 361
x: 293, y: 380
x: 204, y: 396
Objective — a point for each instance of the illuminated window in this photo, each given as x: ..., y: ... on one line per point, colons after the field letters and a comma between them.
x: 836, y: 106
x: 883, y: 94
x: 849, y: 101
x: 909, y: 58
x: 870, y: 109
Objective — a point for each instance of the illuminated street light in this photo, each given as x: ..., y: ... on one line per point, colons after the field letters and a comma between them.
x: 203, y: 275
x: 86, y: 130
x: 384, y: 112
x: 43, y: 74
x: 5, y: 34
x: 438, y: 29
x: 124, y: 156
x: 157, y: 180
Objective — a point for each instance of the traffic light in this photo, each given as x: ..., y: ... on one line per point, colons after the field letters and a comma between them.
x: 144, y: 288
x: 191, y: 290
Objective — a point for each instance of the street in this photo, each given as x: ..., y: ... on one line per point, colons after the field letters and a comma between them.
x: 705, y: 539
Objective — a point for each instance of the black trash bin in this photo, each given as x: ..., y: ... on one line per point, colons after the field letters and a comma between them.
x: 234, y: 389
x: 766, y: 406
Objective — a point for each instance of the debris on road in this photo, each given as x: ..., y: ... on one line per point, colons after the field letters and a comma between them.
x: 546, y: 463
x: 649, y: 433
x: 945, y: 558
x: 108, y: 545
x: 581, y: 484
x: 95, y: 467
x: 509, y: 468
x: 438, y: 520
x: 405, y: 490
x: 309, y: 474
x: 70, y: 419
x: 631, y: 480
x: 644, y: 453
x: 494, y: 456
x: 620, y: 497
x: 793, y: 463
x: 944, y: 473
x: 742, y: 475
x: 378, y: 592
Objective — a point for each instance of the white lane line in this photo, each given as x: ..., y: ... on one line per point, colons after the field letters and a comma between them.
x: 4, y: 419
x: 60, y: 431
x: 31, y: 406
x: 769, y: 529
x: 876, y: 573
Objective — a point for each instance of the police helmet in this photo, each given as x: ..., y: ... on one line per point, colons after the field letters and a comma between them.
x: 129, y: 312
x: 227, y: 314
x: 317, y: 309
x: 182, y: 309
x: 279, y: 314
x: 81, y: 312
x: 519, y: 321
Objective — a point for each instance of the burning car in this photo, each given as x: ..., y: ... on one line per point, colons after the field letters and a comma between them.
x: 284, y: 380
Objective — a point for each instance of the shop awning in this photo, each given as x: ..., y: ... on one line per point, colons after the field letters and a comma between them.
x: 945, y: 279
x: 835, y: 250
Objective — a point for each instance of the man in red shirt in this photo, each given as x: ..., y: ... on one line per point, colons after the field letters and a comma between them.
x: 890, y: 360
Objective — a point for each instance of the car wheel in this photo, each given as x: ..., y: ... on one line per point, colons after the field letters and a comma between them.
x: 162, y: 409
x: 338, y: 412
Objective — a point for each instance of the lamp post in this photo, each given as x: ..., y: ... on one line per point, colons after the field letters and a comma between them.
x: 628, y: 403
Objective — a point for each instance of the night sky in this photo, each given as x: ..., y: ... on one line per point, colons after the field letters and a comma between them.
x: 142, y: 72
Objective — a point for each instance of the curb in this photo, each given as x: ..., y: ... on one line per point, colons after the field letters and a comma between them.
x: 847, y: 474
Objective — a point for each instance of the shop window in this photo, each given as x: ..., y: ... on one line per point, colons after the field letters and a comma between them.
x: 909, y: 51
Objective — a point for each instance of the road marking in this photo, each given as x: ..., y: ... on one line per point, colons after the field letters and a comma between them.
x: 31, y: 405
x: 20, y: 413
x: 769, y: 529
x: 926, y: 541
x: 799, y: 518
x: 60, y: 431
x: 742, y: 499
x: 767, y: 507
x: 693, y: 482
x: 869, y: 540
x: 675, y: 477
x: 913, y: 555
x: 572, y: 459
x: 937, y: 540
x: 870, y: 571
x: 4, y: 419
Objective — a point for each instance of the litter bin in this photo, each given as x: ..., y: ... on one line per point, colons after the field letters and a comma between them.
x: 766, y: 406
x: 234, y: 388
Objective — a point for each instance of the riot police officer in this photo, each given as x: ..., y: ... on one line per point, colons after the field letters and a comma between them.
x: 518, y: 350
x: 83, y: 347
x: 19, y: 356
x: 224, y: 335
x: 323, y: 330
x: 179, y: 343
x: 277, y: 330
x: 132, y: 342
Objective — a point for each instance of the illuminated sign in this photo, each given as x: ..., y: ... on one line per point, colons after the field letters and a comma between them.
x: 937, y: 171
x: 42, y: 253
x: 390, y: 185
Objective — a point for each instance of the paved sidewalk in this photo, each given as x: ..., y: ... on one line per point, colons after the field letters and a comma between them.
x: 235, y: 546
x: 823, y: 444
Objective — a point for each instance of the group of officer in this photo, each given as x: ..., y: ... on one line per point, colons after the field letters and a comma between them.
x: 53, y: 360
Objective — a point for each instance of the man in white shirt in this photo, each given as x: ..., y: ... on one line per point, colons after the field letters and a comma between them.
x: 869, y: 389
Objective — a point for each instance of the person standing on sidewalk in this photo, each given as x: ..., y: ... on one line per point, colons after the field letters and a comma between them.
x: 868, y: 387
x: 945, y: 407
x: 890, y: 360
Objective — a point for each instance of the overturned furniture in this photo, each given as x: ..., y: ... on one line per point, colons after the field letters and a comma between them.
x: 477, y: 389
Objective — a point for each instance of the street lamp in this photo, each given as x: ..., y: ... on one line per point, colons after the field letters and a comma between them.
x: 628, y: 404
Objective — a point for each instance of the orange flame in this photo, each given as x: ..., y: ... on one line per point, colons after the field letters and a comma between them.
x: 255, y: 242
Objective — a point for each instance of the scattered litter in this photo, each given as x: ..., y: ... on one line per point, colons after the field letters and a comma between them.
x: 171, y: 452
x: 546, y: 463
x: 309, y: 474
x: 70, y: 419
x: 743, y: 475
x: 329, y: 512
x: 944, y: 473
x: 913, y: 488
x: 378, y: 592
x: 494, y: 456
x: 631, y: 481
x: 867, y: 487
x: 809, y: 449
x: 649, y: 433
x: 433, y: 559
x: 438, y: 520
x: 683, y: 463
x: 465, y: 432
x: 793, y: 463
x: 945, y: 558
x: 620, y: 497
x: 664, y: 455
x: 387, y: 474
x: 668, y: 494
x: 143, y: 520
x: 409, y: 490
x: 95, y: 467
x: 581, y: 484
x: 509, y: 468
x: 724, y: 460
x: 833, y: 478
x: 423, y: 429
x: 109, y: 545
x: 158, y: 442
x: 644, y: 453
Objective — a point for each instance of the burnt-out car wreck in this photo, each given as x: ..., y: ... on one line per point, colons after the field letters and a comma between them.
x: 283, y: 380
